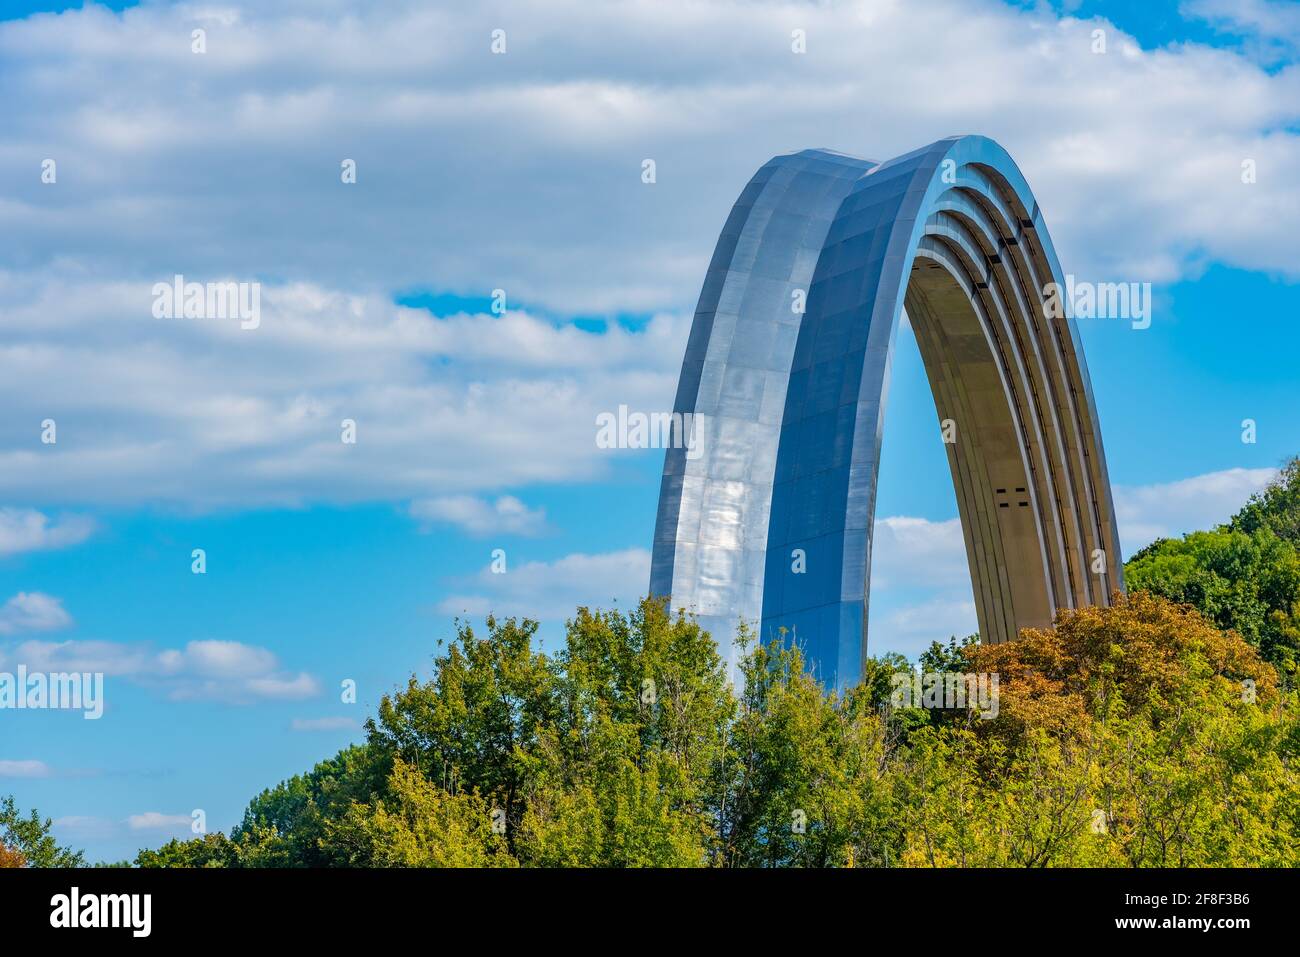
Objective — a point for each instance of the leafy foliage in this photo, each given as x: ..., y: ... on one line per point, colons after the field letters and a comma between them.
x: 1244, y: 575
x: 1135, y: 735
x: 26, y: 841
x: 1160, y: 731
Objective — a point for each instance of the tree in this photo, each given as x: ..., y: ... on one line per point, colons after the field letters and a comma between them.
x: 1244, y: 575
x: 210, y: 850
x: 418, y: 824
x: 9, y: 857
x: 940, y: 658
x: 806, y: 772
x: 466, y: 728
x: 29, y: 838
x: 1276, y: 508
x: 1141, y: 655
x: 285, y: 826
x: 626, y: 774
x: 1140, y: 734
x: 1168, y: 736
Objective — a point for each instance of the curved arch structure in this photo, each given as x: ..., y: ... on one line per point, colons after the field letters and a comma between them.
x: 787, y: 408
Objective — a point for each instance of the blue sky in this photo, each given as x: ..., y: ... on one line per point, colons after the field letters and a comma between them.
x: 327, y: 561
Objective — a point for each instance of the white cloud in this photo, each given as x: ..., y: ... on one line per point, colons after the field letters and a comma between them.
x: 916, y: 552
x: 1271, y: 27
x: 228, y: 671
x: 519, y: 172
x: 920, y: 585
x: 193, y: 415
x: 288, y: 688
x: 1170, y: 509
x: 157, y: 821
x: 909, y: 629
x: 325, y: 724
x: 551, y: 591
x: 938, y: 618
x: 32, y: 611
x: 24, y: 769
x: 550, y: 137
x: 480, y: 517
x: 27, y: 530
x: 77, y: 828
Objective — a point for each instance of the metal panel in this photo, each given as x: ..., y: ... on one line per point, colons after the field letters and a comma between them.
x: 774, y: 517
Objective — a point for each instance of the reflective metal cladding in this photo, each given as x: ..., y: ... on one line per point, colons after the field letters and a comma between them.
x: 769, y: 519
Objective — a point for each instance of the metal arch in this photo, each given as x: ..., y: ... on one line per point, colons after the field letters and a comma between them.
x: 789, y: 408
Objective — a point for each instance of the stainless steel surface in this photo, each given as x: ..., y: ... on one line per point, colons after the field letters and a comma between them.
x: 789, y: 407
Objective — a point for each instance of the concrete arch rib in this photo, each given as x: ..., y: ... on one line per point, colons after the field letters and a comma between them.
x: 768, y: 515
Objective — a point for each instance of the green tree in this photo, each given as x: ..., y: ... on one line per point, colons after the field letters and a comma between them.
x: 467, y: 727
x: 418, y: 824
x: 285, y: 826
x: 628, y: 773
x: 806, y: 771
x: 950, y: 658
x: 1276, y: 508
x: 29, y: 838
x: 1244, y: 575
x: 210, y: 850
x: 1139, y: 734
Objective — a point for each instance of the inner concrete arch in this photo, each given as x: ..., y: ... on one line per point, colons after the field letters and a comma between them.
x: 769, y: 519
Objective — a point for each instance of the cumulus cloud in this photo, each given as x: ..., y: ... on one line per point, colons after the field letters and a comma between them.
x: 920, y: 585
x: 228, y: 671
x: 910, y: 551
x: 937, y: 619
x: 78, y: 828
x: 481, y: 517
x: 32, y: 611
x: 919, y: 560
x: 193, y: 414
x: 24, y: 769
x: 1270, y: 28
x: 27, y: 530
x: 550, y: 591
x: 522, y: 173
x: 325, y: 724
x: 157, y: 821
x: 550, y: 137
x: 1170, y: 509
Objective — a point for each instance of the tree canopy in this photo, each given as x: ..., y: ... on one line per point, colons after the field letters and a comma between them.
x: 1159, y: 731
x: 27, y: 842
x: 1135, y: 735
x: 1243, y: 575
